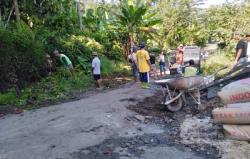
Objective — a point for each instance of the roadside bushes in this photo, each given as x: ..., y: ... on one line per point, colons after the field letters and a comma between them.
x: 111, y: 67
x: 21, y: 56
x: 23, y: 52
x: 220, y: 58
x: 51, y: 89
x: 215, y: 62
x: 107, y: 66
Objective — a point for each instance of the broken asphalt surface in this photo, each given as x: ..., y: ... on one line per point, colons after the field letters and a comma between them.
x: 126, y: 123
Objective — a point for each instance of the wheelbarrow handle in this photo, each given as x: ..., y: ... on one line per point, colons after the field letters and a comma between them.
x: 173, y: 99
x: 217, y: 71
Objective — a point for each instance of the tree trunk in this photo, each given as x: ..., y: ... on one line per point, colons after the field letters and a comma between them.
x: 0, y: 14
x: 17, y: 12
x: 79, y: 12
x: 131, y: 43
x: 126, y: 50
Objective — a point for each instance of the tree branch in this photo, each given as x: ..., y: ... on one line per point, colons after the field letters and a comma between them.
x: 11, y: 11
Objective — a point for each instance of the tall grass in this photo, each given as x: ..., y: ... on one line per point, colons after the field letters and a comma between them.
x: 215, y: 62
x: 53, y: 88
x: 109, y: 67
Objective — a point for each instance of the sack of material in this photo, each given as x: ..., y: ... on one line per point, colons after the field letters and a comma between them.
x: 232, y: 115
x: 237, y: 132
x: 238, y: 105
x: 236, y: 92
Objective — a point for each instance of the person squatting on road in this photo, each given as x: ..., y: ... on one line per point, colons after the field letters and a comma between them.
x: 143, y: 62
x: 133, y: 63
x: 96, y: 69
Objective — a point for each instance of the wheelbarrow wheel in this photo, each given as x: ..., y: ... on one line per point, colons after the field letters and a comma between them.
x: 175, y: 105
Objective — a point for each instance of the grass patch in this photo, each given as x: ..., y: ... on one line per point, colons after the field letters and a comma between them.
x: 53, y: 88
x: 216, y: 62
x: 58, y: 86
x: 109, y: 67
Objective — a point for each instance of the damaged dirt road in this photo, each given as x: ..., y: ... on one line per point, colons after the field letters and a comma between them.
x: 126, y: 123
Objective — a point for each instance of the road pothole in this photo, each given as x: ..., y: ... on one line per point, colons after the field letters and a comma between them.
x: 163, y: 145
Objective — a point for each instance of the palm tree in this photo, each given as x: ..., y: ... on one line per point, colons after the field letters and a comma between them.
x: 133, y: 19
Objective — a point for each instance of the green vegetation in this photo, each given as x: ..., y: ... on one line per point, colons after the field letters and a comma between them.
x: 219, y: 59
x: 216, y: 62
x: 53, y: 88
x: 60, y: 85
x: 135, y: 22
x: 21, y: 54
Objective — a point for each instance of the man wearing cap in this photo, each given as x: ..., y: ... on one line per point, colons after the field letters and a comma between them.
x: 241, y: 50
x: 96, y: 69
x: 143, y: 63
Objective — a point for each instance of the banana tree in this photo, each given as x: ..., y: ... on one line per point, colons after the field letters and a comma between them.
x: 133, y: 19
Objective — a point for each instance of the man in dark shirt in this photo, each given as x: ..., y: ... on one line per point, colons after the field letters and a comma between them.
x: 241, y: 49
x: 153, y: 72
x: 152, y: 58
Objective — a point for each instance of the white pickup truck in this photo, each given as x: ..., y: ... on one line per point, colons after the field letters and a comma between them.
x: 192, y: 53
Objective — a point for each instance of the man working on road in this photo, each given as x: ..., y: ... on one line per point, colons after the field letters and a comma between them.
x: 143, y: 63
x: 64, y: 60
x: 241, y: 50
x: 96, y: 69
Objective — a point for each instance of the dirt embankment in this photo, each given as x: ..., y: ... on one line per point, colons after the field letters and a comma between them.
x: 108, y: 83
